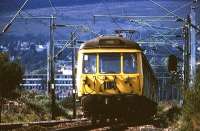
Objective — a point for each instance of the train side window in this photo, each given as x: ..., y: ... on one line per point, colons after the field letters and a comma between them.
x: 130, y: 63
x: 89, y: 63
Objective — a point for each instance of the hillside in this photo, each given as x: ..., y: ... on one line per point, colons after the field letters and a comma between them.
x: 81, y: 12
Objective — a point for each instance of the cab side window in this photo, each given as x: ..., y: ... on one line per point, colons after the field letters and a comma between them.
x: 130, y: 63
x: 89, y: 63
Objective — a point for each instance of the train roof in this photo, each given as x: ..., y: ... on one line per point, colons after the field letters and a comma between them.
x: 110, y: 42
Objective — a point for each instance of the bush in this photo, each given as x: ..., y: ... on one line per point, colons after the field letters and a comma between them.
x: 33, y: 107
x: 191, y: 110
x: 41, y: 105
x: 168, y: 112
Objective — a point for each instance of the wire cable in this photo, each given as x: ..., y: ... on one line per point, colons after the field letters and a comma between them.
x: 53, y: 7
x: 42, y: 22
x: 77, y: 35
x: 179, y: 17
x: 88, y: 28
x: 165, y: 9
x: 183, y: 6
x: 167, y: 28
x: 109, y: 13
x: 12, y: 20
x: 166, y: 39
x: 67, y: 44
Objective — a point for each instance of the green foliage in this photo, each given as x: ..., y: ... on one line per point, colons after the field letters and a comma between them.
x: 167, y: 114
x: 10, y: 76
x: 67, y: 102
x: 30, y: 106
x: 41, y: 105
x: 33, y: 107
x: 191, y: 109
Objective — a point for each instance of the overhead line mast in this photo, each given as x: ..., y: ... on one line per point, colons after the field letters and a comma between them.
x: 51, y: 68
x: 192, y: 47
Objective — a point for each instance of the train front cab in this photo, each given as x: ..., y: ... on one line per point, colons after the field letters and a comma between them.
x: 114, y: 93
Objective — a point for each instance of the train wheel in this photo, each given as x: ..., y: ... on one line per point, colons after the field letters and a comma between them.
x: 94, y: 120
x: 112, y: 120
x: 120, y: 120
x: 103, y: 120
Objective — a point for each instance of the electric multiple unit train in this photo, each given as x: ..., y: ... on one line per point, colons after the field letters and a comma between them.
x: 115, y: 80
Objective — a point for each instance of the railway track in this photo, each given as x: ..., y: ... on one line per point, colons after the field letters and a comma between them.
x: 87, y: 125
x: 83, y: 125
x: 47, y: 124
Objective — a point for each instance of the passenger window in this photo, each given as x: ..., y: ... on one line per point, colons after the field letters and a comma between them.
x: 130, y: 63
x: 89, y: 63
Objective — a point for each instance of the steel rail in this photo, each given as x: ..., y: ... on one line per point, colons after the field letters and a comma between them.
x: 87, y: 125
x: 10, y: 126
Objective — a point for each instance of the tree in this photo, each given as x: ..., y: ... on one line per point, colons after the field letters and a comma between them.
x: 10, y: 78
